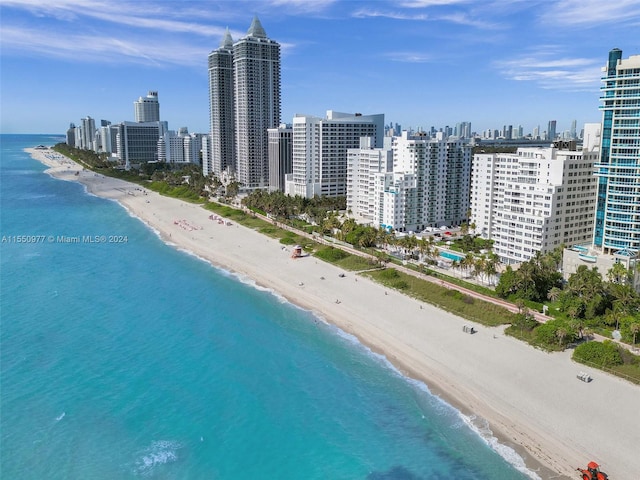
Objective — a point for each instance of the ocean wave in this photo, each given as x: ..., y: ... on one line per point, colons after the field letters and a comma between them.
x: 160, y: 452
x: 480, y: 426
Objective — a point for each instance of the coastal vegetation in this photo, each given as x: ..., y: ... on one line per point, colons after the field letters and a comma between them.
x: 586, y: 301
x: 448, y: 299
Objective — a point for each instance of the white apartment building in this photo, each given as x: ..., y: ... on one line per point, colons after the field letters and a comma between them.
x: 180, y: 147
x: 429, y: 184
x: 362, y: 166
x: 533, y: 200
x: 147, y: 109
x: 320, y: 151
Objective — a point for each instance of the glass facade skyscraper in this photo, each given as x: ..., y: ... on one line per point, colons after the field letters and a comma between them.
x: 617, y: 222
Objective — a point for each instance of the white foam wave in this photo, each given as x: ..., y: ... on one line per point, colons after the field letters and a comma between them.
x: 481, y: 427
x: 61, y: 416
x: 477, y: 425
x: 158, y: 453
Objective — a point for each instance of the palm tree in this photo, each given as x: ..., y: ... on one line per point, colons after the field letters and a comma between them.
x: 491, y: 266
x: 368, y: 238
x: 347, y: 227
x: 479, y: 267
x: 423, y: 248
x: 468, y: 262
x: 618, y: 273
x: 554, y: 294
x: 561, y: 333
x: 635, y: 329
x: 455, y: 264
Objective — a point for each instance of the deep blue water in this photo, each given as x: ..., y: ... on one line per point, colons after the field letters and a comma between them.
x: 137, y: 360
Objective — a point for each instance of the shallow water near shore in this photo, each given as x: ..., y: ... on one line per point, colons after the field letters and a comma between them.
x: 134, y: 359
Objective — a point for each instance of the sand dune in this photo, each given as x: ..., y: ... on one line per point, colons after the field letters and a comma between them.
x: 532, y: 400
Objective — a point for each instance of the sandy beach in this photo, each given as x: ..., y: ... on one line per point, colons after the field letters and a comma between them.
x: 530, y: 400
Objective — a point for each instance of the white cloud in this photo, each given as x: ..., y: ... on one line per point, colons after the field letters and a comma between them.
x: 586, y: 13
x: 552, y: 72
x: 302, y: 6
x: 131, y: 14
x: 409, y: 57
x: 364, y: 13
x: 430, y: 3
x: 91, y: 48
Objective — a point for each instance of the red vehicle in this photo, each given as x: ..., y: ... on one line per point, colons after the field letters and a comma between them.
x: 592, y: 472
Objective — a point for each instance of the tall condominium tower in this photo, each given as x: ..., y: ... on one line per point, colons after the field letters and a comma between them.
x: 244, y: 102
x: 617, y: 223
x: 88, y: 129
x: 221, y: 114
x: 147, y: 109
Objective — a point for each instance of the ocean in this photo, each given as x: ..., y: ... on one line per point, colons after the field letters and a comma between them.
x: 138, y: 360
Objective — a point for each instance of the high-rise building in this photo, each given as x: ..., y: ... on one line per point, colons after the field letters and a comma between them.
x: 244, y: 93
x: 551, y: 131
x: 320, y: 151
x: 533, y: 200
x: 363, y: 165
x: 71, y: 135
x: 573, y: 134
x: 137, y: 142
x: 221, y: 114
x: 88, y: 129
x: 280, y: 156
x: 617, y: 224
x: 429, y: 184
x: 147, y: 109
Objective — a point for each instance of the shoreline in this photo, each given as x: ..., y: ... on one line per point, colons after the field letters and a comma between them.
x: 531, y: 400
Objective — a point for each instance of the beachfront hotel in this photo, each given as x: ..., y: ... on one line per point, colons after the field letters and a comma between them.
x: 320, y: 151
x: 244, y: 102
x: 534, y: 200
x: 428, y: 185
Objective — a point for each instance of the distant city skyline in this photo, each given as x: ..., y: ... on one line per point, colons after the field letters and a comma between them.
x: 421, y: 63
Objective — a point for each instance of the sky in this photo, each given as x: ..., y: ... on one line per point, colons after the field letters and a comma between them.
x: 421, y: 63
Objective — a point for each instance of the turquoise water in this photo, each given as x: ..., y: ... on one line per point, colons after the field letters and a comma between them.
x: 136, y: 360
x: 451, y: 256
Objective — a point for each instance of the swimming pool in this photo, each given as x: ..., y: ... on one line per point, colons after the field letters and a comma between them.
x: 451, y: 256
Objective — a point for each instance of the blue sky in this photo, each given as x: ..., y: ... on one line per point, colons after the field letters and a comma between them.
x: 420, y: 62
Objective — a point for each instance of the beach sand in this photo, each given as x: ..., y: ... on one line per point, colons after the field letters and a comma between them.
x: 530, y: 400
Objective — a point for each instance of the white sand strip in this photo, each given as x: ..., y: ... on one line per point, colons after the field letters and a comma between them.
x: 532, y: 400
